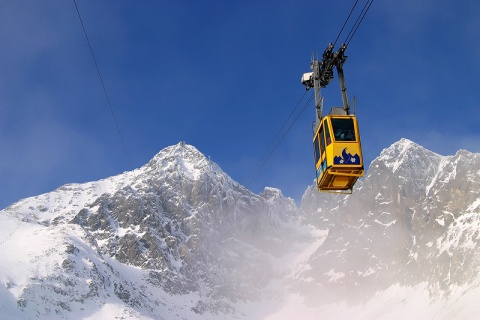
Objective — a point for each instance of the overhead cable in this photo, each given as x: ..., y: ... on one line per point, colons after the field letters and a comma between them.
x: 358, y: 22
x: 256, y: 171
x: 345, y: 23
x: 262, y: 158
x: 103, y: 85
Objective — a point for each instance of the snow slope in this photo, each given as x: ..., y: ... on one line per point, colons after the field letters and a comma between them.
x: 409, y: 230
x: 176, y: 238
x: 179, y: 239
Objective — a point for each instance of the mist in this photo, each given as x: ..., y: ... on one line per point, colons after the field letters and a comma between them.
x: 180, y: 239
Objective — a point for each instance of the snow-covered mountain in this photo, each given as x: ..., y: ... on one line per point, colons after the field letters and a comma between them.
x: 174, y: 239
x: 179, y: 239
x: 412, y: 221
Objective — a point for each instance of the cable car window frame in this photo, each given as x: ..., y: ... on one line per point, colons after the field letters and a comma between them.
x: 316, y: 147
x: 322, y: 141
x: 344, y: 126
x: 327, y: 132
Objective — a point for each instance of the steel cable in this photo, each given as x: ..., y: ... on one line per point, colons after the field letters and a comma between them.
x: 103, y: 86
x: 282, y: 137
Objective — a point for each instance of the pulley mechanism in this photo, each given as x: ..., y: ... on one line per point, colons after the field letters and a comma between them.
x: 322, y: 75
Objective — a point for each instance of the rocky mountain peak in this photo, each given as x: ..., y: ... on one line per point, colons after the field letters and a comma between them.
x: 270, y: 193
x: 406, y: 154
x: 399, y: 224
x: 180, y: 222
x: 179, y: 239
x: 184, y: 158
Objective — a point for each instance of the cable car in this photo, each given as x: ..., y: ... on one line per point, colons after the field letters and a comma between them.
x: 336, y: 138
x: 337, y: 152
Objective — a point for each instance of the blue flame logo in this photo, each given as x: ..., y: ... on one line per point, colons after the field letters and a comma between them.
x: 346, y: 158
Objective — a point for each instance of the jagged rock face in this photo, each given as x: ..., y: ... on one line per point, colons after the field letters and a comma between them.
x: 401, y: 225
x: 182, y: 214
x: 179, y: 239
x: 180, y: 219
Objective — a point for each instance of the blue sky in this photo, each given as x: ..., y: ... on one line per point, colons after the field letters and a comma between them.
x: 222, y: 76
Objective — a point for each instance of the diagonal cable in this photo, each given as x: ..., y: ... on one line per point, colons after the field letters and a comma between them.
x: 259, y: 162
x: 358, y: 22
x: 281, y: 139
x: 345, y: 23
x: 103, y: 85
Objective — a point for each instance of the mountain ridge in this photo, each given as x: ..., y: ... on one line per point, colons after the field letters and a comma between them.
x: 179, y: 239
x: 179, y: 221
x: 412, y: 200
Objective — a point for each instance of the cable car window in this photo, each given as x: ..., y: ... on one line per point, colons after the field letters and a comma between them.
x: 322, y: 142
x: 327, y: 132
x: 343, y: 129
x: 315, y: 147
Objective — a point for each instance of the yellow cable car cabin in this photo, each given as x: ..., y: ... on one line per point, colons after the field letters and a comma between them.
x: 337, y: 151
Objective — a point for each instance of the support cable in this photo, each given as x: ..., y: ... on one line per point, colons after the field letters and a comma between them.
x: 358, y: 22
x: 345, y: 23
x: 256, y: 172
x: 103, y: 85
x: 259, y: 162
